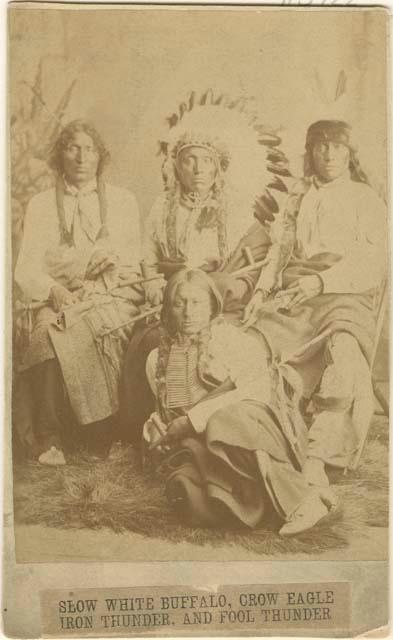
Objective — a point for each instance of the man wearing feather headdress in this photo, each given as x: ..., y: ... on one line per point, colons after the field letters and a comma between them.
x: 216, y: 168
x: 80, y: 242
x: 220, y: 171
x: 315, y: 296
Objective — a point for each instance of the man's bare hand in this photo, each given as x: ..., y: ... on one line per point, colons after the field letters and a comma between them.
x: 154, y: 292
x: 128, y: 273
x: 299, y: 291
x: 60, y: 297
x: 178, y: 429
x: 253, y: 308
x: 100, y: 261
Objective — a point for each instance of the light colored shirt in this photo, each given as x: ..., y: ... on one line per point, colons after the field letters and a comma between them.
x: 234, y: 354
x: 346, y: 218
x: 200, y: 245
x: 41, y: 234
x: 349, y: 219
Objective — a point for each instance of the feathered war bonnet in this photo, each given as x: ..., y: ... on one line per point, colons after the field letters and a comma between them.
x: 250, y: 165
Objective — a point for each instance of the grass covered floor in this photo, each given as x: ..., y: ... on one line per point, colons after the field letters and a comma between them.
x: 115, y: 494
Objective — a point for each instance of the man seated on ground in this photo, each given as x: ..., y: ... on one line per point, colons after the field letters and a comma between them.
x: 315, y: 299
x: 227, y: 438
x: 79, y: 256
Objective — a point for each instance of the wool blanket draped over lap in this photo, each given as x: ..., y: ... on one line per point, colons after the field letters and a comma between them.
x: 299, y: 336
x: 249, y: 458
x: 250, y: 442
x: 89, y: 340
x: 90, y: 352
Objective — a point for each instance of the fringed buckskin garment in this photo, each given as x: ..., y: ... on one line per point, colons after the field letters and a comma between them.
x: 250, y: 442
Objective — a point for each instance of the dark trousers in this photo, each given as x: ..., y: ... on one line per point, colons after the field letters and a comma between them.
x: 54, y: 420
x: 136, y: 398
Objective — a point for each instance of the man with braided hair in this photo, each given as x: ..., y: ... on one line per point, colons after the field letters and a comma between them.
x: 80, y: 241
x: 215, y: 169
x: 220, y: 170
x: 314, y: 299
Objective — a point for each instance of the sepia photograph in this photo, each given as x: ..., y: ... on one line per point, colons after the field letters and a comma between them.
x: 198, y: 221
x: 197, y: 372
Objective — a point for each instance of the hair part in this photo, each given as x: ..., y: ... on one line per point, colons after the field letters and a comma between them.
x: 67, y: 134
x: 168, y: 332
x: 196, y: 277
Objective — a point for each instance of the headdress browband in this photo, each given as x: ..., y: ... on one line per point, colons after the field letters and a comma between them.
x: 201, y: 145
x: 325, y: 131
x: 229, y: 129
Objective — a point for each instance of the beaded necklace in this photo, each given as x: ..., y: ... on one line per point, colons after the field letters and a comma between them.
x: 212, y: 215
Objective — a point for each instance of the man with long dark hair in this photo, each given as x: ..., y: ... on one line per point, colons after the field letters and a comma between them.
x: 81, y: 240
x: 220, y: 171
x: 237, y: 441
x: 315, y: 298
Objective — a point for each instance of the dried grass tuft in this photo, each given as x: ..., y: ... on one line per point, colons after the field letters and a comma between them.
x: 115, y: 494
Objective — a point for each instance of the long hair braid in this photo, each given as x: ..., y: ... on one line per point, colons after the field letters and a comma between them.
x: 56, y: 162
x: 213, y: 215
x: 103, y: 205
x: 172, y: 203
x: 67, y: 235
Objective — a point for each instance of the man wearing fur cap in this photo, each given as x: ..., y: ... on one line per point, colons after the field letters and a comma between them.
x: 315, y: 298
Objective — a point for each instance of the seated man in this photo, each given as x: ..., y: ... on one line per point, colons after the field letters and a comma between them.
x: 229, y: 417
x: 206, y: 208
x: 314, y: 300
x: 80, y: 242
